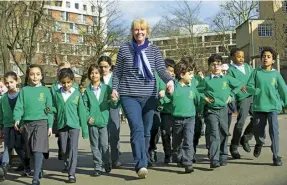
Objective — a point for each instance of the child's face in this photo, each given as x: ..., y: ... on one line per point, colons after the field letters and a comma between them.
x: 170, y: 70
x: 238, y: 58
x: 35, y: 76
x: 11, y: 83
x: 105, y: 67
x: 267, y: 59
x: 215, y: 67
x: 187, y: 77
x: 66, y: 83
x: 3, y: 88
x: 95, y: 75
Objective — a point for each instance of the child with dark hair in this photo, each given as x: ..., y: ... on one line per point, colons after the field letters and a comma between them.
x: 269, y: 90
x: 33, y: 101
x: 98, y: 102
x: 105, y: 64
x: 185, y: 99
x: 241, y: 71
x: 216, y: 90
x: 71, y: 116
x: 12, y: 139
x: 162, y: 120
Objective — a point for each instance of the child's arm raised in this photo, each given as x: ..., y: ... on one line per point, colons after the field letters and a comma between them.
x: 235, y: 85
x: 251, y: 86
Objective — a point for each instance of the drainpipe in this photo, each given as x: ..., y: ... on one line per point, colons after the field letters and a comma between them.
x: 252, y: 44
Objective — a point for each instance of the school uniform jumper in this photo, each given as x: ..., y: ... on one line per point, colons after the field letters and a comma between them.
x: 244, y: 106
x: 12, y: 138
x: 269, y: 90
x: 30, y: 108
x: 71, y: 117
x: 216, y: 113
x: 185, y: 99
x: 98, y: 103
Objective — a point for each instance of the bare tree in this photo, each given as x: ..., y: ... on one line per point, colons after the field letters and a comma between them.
x: 232, y: 14
x: 107, y: 31
x: 24, y: 27
x: 179, y: 23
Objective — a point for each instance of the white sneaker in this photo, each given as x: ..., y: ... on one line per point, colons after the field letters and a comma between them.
x: 142, y: 173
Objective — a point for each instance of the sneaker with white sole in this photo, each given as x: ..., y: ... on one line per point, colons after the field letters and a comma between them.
x: 142, y: 173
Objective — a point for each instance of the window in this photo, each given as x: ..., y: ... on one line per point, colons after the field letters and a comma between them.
x: 95, y: 19
x: 284, y: 6
x: 79, y: 18
x: 63, y: 16
x: 58, y: 26
x: 84, y: 7
x: 93, y: 8
x: 68, y: 4
x: 84, y: 19
x: 72, y: 27
x: 265, y: 30
x: 67, y: 16
x: 80, y: 39
x: 58, y: 3
x: 90, y: 29
x: 77, y: 6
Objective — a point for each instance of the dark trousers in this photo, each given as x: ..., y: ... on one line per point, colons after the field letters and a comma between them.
x: 182, y: 139
x: 259, y: 124
x: 243, y: 108
x: 114, y: 134
x: 155, y: 132
x: 139, y: 112
x: 197, y: 131
x: 167, y: 121
x: 69, y: 138
x: 217, y: 137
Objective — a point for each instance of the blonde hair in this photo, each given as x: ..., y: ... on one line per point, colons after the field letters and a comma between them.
x: 140, y: 23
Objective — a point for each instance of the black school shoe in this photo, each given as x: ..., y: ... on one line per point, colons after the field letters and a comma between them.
x: 3, y: 173
x: 35, y: 182
x: 108, y: 168
x: 223, y: 163
x: 189, y: 169
x: 167, y: 159
x: 117, y: 165
x: 234, y: 152
x: 72, y: 179
x: 277, y: 161
x: 257, y: 150
x: 214, y: 165
x: 97, y: 173
x: 245, y: 145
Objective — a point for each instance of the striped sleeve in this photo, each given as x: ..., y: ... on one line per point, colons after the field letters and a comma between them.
x: 118, y: 71
x: 160, y: 66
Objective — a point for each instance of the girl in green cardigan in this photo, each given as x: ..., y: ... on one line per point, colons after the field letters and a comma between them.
x: 70, y: 116
x: 12, y: 138
x: 97, y: 98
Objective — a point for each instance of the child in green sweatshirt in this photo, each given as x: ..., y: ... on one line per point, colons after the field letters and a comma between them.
x: 71, y: 116
x: 98, y: 102
x: 269, y: 89
x: 216, y: 90
x: 185, y: 99
x: 163, y: 119
x: 12, y: 139
x: 241, y: 71
x: 31, y: 105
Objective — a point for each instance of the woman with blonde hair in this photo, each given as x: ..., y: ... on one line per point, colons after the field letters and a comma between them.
x: 133, y: 80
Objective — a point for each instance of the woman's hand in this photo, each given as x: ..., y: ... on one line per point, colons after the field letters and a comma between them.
x: 209, y: 100
x: 16, y: 125
x: 49, y: 132
x: 115, y: 95
x: 170, y: 87
x: 161, y: 93
x: 91, y: 120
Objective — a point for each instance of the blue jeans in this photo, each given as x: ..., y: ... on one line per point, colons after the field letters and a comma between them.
x: 139, y: 112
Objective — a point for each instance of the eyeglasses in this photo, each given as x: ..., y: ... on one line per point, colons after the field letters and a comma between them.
x: 216, y: 64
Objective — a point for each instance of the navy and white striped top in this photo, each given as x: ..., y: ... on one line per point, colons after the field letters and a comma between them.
x: 126, y: 78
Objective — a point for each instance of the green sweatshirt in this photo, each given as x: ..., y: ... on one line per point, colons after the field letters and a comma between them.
x: 31, y: 104
x: 219, y: 89
x: 196, y: 80
x: 236, y: 73
x: 6, y: 113
x: 71, y: 113
x: 185, y: 99
x: 99, y: 109
x: 268, y: 88
x: 165, y: 102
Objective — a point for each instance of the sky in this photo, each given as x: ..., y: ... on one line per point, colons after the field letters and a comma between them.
x: 152, y: 11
